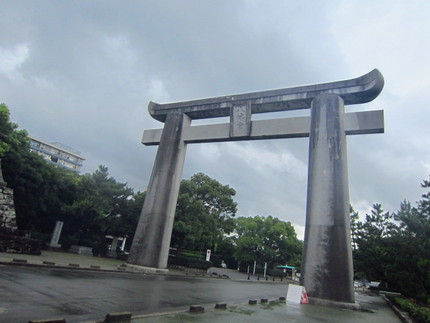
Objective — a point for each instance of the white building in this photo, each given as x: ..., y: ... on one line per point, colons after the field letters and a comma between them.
x: 57, y: 154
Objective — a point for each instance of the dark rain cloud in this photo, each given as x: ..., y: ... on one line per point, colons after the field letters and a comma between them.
x: 82, y: 73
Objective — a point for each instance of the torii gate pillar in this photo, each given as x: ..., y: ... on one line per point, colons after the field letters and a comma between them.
x: 327, y: 271
x: 153, y: 233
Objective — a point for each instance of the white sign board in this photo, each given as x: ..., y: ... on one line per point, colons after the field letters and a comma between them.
x: 208, y: 255
x: 297, y: 294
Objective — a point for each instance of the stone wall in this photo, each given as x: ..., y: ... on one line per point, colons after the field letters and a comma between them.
x: 7, y: 209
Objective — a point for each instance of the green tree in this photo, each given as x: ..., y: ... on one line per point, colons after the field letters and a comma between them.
x: 40, y: 189
x: 395, y: 248
x: 267, y: 239
x: 355, y: 227
x: 370, y: 239
x: 90, y: 205
x: 99, y: 209
x: 226, y: 251
x: 127, y: 223
x: 411, y: 268
x: 203, y: 213
x: 6, y: 130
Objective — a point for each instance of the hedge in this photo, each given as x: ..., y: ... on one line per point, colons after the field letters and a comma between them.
x: 189, y: 262
x: 419, y: 313
x: 215, y: 259
x: 275, y: 272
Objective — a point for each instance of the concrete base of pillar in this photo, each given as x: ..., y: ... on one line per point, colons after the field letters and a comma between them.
x: 325, y: 302
x: 147, y: 270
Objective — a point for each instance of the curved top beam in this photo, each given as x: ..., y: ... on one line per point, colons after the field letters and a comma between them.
x: 354, y: 91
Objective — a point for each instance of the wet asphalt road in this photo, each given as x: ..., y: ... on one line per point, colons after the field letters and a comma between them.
x: 39, y: 293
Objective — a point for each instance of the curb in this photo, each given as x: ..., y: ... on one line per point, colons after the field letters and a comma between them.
x: 201, y: 309
x: 97, y: 268
x: 403, y: 316
x: 122, y: 268
x: 69, y: 267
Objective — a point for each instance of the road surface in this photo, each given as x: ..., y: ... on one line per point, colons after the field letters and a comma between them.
x: 40, y: 293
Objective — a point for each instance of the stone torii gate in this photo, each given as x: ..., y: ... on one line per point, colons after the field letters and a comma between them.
x: 327, y: 271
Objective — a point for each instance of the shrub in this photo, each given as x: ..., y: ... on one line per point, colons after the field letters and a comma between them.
x: 99, y: 248
x: 216, y: 260
x: 67, y: 241
x: 45, y: 238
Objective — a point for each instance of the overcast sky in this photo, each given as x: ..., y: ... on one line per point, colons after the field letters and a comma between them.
x: 82, y: 73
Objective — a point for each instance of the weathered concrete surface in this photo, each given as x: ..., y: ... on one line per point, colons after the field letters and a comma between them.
x: 354, y: 91
x: 356, y: 123
x: 151, y: 241
x: 327, y: 271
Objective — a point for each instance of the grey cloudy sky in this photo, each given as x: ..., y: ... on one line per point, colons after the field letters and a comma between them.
x: 82, y: 73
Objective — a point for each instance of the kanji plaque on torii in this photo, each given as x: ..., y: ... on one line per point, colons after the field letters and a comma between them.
x: 327, y: 271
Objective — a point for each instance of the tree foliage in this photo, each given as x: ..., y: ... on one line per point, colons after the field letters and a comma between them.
x: 395, y: 248
x: 6, y: 129
x: 102, y: 207
x: 369, y: 238
x: 267, y: 239
x: 90, y: 205
x: 203, y: 213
